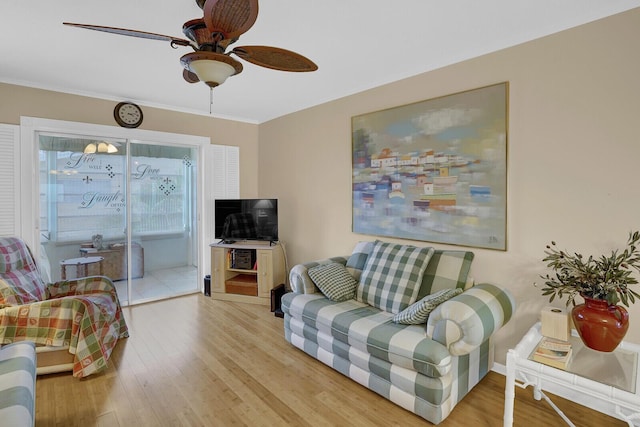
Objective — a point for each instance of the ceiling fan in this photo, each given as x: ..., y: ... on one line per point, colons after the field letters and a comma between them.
x: 223, y: 22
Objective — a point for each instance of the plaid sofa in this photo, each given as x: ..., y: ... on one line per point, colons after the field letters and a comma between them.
x: 18, y: 384
x: 425, y: 368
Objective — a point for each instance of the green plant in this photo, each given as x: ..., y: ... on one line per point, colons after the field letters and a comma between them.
x: 606, y: 277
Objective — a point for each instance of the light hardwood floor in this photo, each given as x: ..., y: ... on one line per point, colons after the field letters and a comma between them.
x: 194, y: 361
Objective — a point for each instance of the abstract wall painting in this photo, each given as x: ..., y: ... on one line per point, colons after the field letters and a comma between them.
x: 435, y: 170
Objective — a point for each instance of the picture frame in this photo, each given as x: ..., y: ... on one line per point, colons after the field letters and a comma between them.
x: 434, y: 170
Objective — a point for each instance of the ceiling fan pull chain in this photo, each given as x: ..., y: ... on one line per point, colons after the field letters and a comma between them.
x: 210, y: 99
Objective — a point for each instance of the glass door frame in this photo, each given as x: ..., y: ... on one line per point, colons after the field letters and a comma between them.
x: 29, y: 182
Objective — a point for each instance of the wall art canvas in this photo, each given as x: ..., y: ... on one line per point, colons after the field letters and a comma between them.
x: 434, y: 170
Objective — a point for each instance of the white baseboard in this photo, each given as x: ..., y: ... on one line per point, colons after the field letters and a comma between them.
x: 499, y: 368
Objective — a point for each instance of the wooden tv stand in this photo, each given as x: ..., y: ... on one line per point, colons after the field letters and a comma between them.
x: 246, y: 283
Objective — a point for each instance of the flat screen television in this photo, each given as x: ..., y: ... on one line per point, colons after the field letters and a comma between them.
x: 246, y: 219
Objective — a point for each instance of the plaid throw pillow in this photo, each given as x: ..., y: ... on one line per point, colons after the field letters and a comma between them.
x: 391, y: 278
x: 446, y: 270
x: 334, y: 281
x: 358, y: 258
x: 418, y: 312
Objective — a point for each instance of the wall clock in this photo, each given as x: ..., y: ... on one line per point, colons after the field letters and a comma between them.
x: 128, y: 114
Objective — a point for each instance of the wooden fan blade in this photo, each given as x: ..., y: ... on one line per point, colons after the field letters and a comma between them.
x: 230, y: 17
x: 132, y: 33
x: 275, y: 58
x: 189, y: 76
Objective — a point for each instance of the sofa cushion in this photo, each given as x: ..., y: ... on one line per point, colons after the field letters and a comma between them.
x: 418, y: 312
x: 350, y: 361
x: 392, y: 276
x: 334, y: 281
x: 358, y: 258
x: 446, y: 270
x: 371, y: 331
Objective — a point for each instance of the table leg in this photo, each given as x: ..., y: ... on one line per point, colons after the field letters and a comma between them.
x: 537, y: 392
x: 509, y: 389
x: 555, y: 408
x: 63, y: 272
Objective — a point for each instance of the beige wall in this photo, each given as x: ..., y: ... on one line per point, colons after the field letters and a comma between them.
x: 16, y: 101
x: 574, y: 148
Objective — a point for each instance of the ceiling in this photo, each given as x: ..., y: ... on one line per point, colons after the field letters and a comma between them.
x: 357, y: 44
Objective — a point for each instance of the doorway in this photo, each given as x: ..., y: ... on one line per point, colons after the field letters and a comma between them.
x: 128, y: 205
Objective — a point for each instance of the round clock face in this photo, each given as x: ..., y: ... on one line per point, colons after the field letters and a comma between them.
x: 128, y: 115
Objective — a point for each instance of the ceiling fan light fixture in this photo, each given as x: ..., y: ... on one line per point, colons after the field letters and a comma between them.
x: 212, y: 73
x: 211, y: 68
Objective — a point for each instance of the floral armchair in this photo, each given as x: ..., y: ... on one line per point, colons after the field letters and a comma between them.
x: 82, y: 317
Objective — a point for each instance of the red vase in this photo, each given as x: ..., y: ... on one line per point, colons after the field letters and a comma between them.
x: 600, y: 325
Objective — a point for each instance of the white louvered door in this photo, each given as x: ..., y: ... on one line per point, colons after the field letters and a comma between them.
x: 222, y: 181
x: 9, y: 180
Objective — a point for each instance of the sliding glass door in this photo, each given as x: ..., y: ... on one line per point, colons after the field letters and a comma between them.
x: 122, y: 208
x: 162, y: 182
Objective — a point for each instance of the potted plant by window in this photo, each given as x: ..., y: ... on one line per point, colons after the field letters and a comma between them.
x: 603, y: 283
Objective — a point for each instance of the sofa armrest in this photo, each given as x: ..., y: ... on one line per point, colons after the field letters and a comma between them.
x: 299, y: 279
x: 464, y: 322
x: 18, y: 388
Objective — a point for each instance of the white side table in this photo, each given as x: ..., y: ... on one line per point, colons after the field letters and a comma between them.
x: 607, y: 382
x: 81, y: 265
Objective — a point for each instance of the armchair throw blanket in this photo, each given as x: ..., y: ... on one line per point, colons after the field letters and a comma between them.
x: 414, y: 329
x: 83, y: 314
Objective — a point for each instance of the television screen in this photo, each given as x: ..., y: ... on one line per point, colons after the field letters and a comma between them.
x: 246, y: 219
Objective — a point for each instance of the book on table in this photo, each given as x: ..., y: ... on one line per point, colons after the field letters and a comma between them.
x: 553, y: 352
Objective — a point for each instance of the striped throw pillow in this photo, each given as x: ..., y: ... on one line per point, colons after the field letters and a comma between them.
x: 392, y: 276
x: 418, y: 312
x: 334, y: 281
